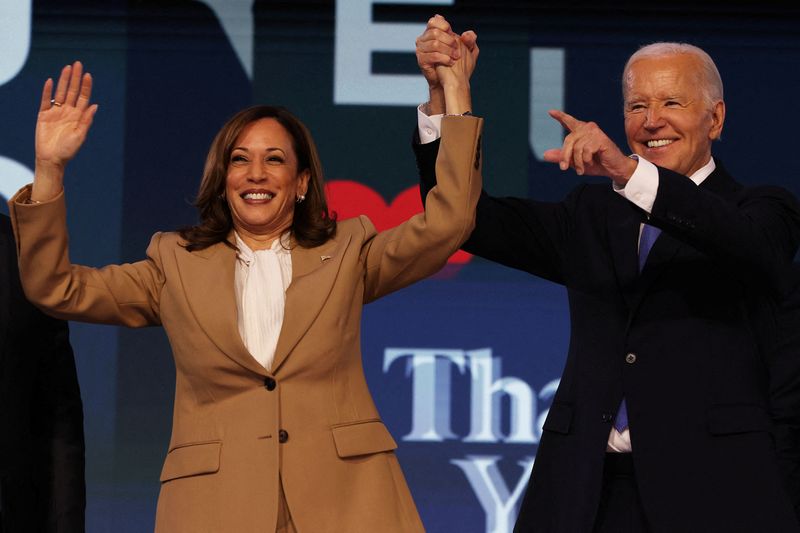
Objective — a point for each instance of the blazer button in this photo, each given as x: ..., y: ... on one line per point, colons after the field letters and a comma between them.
x: 270, y: 383
x: 283, y: 436
x: 607, y: 417
x: 630, y: 358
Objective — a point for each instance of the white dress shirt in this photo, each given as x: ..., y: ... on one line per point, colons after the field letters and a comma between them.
x: 641, y: 190
x: 260, y: 283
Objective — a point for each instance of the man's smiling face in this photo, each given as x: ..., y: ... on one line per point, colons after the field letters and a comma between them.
x: 668, y: 119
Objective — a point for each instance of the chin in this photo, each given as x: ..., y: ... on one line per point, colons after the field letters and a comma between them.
x: 256, y: 226
x: 251, y: 223
x: 663, y: 162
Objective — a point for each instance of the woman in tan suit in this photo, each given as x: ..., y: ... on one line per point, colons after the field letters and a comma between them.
x: 274, y: 428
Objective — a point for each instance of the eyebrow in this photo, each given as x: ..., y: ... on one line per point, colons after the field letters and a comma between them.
x: 268, y: 149
x: 637, y: 98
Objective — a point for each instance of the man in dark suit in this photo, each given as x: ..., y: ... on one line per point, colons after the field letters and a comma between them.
x: 42, y: 486
x: 662, y: 419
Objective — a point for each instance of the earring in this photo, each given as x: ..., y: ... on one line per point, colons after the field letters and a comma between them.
x: 300, y: 198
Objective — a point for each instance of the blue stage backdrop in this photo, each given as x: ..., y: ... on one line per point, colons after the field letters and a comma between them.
x: 463, y: 366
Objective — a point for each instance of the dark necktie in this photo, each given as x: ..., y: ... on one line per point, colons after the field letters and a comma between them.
x: 646, y: 241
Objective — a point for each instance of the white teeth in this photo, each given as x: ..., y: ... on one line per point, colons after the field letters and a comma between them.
x: 659, y: 142
x: 258, y: 196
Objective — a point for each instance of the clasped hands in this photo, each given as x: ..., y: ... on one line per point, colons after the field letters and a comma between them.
x: 447, y: 61
x: 586, y: 149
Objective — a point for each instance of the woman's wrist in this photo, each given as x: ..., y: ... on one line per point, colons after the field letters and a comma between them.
x: 48, y: 181
x: 457, y: 98
x: 43, y: 193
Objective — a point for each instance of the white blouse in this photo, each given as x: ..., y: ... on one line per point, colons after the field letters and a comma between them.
x: 260, y: 283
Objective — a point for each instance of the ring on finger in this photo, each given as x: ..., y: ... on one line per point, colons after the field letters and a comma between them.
x: 53, y: 102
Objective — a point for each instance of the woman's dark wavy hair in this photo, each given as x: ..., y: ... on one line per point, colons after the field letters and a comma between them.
x: 312, y: 224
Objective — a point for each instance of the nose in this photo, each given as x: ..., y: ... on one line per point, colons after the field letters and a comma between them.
x: 653, y: 119
x: 257, y: 171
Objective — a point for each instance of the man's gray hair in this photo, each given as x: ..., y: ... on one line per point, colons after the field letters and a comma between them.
x: 710, y: 80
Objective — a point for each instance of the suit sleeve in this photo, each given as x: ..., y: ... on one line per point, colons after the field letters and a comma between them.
x: 755, y: 236
x: 125, y: 294
x: 519, y: 233
x: 421, y: 246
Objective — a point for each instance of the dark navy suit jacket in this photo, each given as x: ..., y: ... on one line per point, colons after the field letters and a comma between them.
x: 697, y: 389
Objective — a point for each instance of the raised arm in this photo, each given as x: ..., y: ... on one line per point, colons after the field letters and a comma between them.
x: 753, y: 233
x: 518, y: 233
x: 421, y: 246
x: 116, y: 294
x: 61, y: 128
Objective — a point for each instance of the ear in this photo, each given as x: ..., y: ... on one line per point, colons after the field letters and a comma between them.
x: 302, y: 182
x: 717, y: 120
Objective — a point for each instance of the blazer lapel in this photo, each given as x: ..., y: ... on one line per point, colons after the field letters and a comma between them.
x: 207, y: 277
x: 314, y: 272
x: 623, y: 233
x: 721, y: 183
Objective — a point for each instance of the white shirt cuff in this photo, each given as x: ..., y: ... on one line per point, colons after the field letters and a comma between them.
x: 642, y: 187
x: 430, y: 127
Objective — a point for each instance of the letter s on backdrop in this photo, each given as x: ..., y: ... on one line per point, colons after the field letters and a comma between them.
x: 15, y: 37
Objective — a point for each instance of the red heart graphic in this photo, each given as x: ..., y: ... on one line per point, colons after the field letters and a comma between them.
x: 350, y: 199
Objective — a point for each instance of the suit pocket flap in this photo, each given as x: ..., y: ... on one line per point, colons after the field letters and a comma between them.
x: 559, y: 419
x: 362, y: 438
x: 729, y: 419
x: 191, y: 459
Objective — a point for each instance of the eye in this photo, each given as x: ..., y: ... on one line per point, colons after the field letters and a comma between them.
x: 636, y: 107
x: 238, y: 158
x: 274, y: 159
x: 672, y: 103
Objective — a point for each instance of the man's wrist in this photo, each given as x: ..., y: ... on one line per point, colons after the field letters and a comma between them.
x: 435, y: 103
x: 630, y: 168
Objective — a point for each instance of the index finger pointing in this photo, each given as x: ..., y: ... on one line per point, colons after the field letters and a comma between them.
x: 568, y: 121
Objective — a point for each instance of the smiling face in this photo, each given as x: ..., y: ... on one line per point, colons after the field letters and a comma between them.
x: 263, y: 183
x: 668, y: 119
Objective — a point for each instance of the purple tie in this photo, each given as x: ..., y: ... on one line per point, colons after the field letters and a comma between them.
x: 646, y: 241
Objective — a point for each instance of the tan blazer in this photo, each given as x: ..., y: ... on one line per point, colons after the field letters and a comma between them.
x: 238, y: 430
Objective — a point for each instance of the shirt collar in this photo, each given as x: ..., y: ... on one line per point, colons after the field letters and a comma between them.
x: 703, y: 172
x: 246, y: 255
